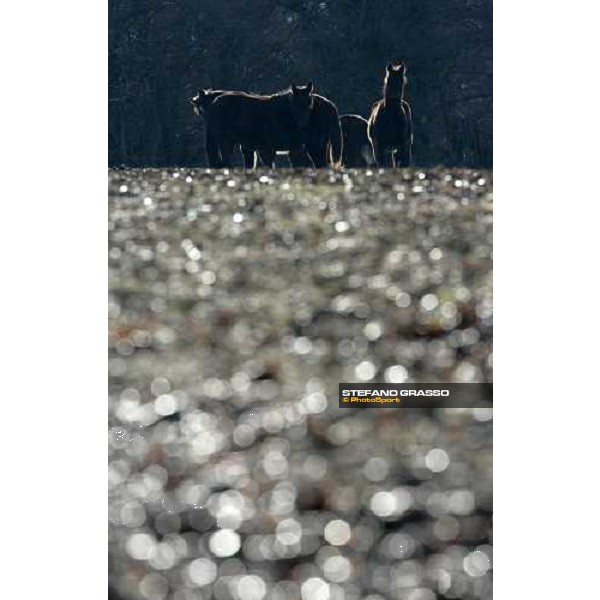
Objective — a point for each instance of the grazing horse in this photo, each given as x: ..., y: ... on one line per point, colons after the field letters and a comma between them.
x: 358, y: 151
x: 390, y: 123
x: 201, y: 101
x: 264, y: 123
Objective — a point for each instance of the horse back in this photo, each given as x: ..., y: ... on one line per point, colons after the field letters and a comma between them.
x: 354, y: 129
x: 251, y: 119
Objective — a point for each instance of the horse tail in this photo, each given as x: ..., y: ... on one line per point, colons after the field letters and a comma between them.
x: 335, y: 139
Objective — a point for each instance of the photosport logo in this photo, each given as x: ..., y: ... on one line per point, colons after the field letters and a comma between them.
x: 415, y: 395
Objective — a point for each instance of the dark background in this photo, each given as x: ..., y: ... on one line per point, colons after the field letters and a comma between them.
x: 162, y: 51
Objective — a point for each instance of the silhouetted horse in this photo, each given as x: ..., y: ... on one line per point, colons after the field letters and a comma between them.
x: 358, y: 151
x: 265, y: 123
x: 390, y: 123
x: 321, y: 138
x: 201, y: 101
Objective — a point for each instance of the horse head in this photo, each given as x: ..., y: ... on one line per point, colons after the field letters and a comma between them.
x: 201, y: 101
x: 301, y: 102
x: 395, y: 80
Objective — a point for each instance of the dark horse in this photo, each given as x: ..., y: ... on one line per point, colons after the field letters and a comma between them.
x: 390, y: 123
x: 264, y: 123
x: 317, y: 142
x: 358, y: 151
x: 201, y: 101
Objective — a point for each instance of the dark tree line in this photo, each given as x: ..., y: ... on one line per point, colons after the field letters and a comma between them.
x: 161, y: 51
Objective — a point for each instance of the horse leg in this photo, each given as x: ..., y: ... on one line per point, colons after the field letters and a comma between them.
x: 226, y: 148
x: 318, y: 151
x: 248, y: 158
x: 212, y: 151
x: 380, y: 155
x: 260, y: 159
x: 404, y: 154
x: 299, y: 158
x: 267, y: 155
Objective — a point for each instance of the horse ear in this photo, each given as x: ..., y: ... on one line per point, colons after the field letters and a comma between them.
x: 309, y: 87
x: 389, y: 67
x: 293, y: 88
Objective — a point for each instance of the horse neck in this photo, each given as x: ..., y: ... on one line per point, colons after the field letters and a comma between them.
x: 390, y: 96
x: 278, y: 101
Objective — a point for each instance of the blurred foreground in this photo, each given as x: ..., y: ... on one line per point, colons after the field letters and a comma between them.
x: 237, y: 303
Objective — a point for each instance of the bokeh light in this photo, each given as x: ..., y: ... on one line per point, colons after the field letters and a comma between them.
x: 237, y: 304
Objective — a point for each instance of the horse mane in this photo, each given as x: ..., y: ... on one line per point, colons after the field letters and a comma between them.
x: 283, y: 92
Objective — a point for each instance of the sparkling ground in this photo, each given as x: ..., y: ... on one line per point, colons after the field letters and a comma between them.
x: 237, y: 303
